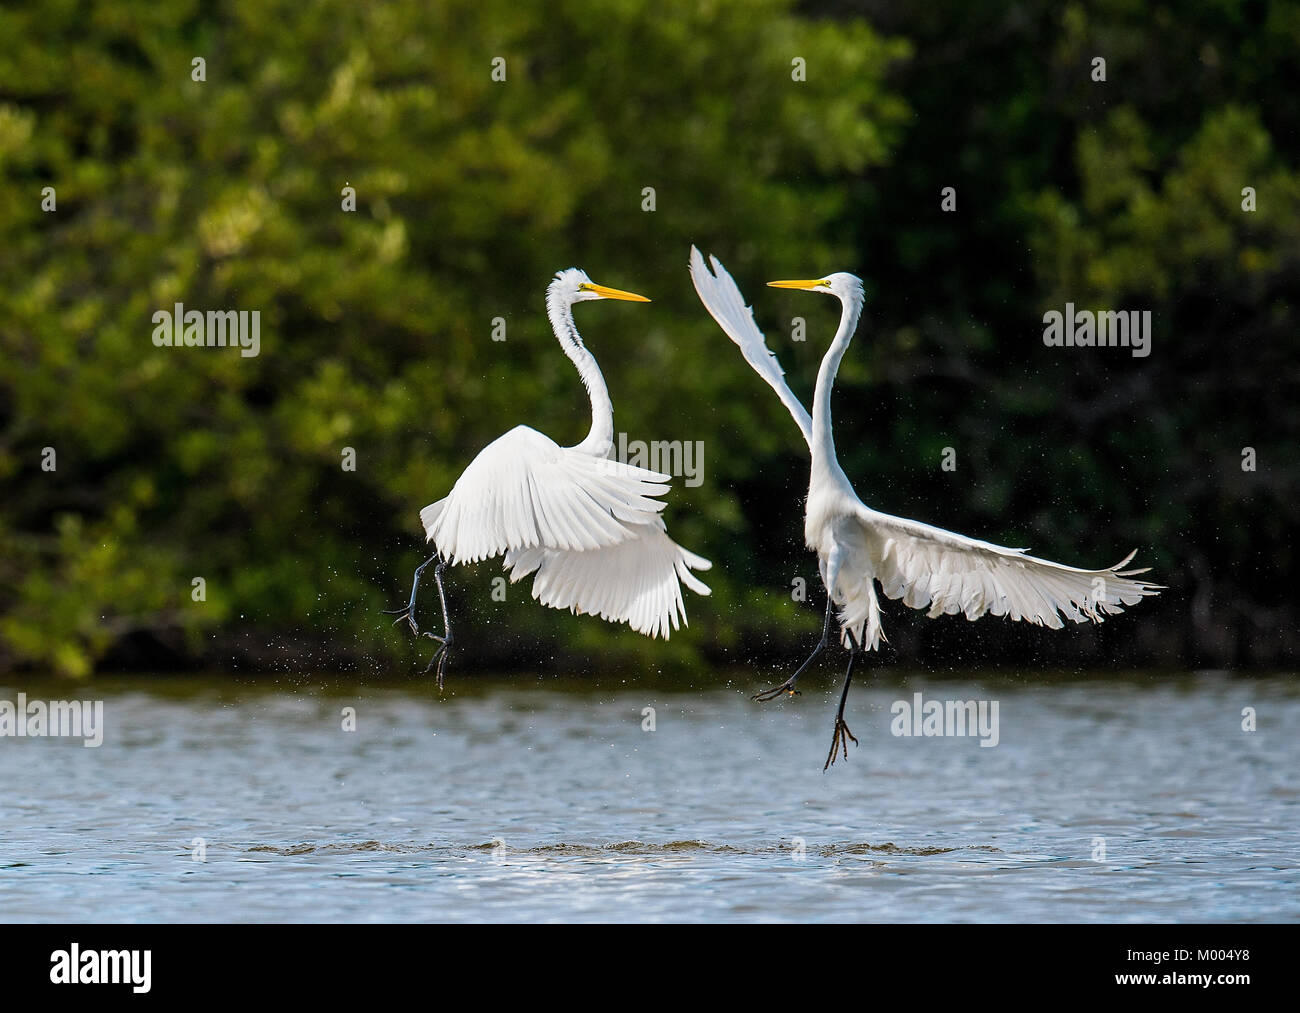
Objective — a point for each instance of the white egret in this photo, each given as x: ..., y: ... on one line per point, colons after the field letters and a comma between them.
x: 927, y: 567
x: 587, y: 526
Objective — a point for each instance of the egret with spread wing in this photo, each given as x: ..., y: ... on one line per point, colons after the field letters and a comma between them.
x: 857, y: 547
x: 586, y: 526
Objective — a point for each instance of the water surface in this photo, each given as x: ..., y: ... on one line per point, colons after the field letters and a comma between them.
x: 527, y: 799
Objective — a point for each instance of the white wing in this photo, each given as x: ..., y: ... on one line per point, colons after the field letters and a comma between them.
x: 524, y: 491
x: 727, y: 306
x: 949, y: 573
x: 637, y: 581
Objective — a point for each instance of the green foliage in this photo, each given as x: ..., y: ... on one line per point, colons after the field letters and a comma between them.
x: 375, y: 325
x: 1123, y: 194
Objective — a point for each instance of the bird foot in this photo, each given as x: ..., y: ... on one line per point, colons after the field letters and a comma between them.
x: 439, y: 658
x: 841, y: 740
x: 775, y: 691
x: 403, y: 613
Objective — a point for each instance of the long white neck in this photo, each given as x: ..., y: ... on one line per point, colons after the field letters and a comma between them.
x: 600, y: 441
x: 823, y: 441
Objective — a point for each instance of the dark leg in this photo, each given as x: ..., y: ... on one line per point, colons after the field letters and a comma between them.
x: 408, y: 613
x: 444, y: 642
x: 788, y: 685
x: 842, y: 733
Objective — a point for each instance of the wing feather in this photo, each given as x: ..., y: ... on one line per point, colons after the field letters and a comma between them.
x: 524, y: 491
x: 947, y: 573
x: 721, y: 297
x: 637, y: 581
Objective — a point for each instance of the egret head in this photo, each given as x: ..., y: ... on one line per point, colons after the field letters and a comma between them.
x: 844, y: 286
x: 573, y: 286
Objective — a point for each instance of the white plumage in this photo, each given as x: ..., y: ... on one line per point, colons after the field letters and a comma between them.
x: 857, y: 547
x: 586, y: 526
x: 634, y: 581
x: 947, y: 573
x: 727, y: 306
x: 523, y: 491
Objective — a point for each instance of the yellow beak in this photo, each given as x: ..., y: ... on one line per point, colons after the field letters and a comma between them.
x: 614, y: 293
x: 811, y: 283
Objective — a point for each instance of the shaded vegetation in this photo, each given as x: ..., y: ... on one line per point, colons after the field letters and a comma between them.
x: 376, y: 324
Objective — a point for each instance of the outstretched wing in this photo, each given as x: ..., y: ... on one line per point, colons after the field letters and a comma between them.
x: 727, y: 306
x: 523, y: 491
x: 637, y: 581
x: 928, y: 567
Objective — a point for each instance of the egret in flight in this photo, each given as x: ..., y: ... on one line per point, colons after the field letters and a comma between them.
x: 586, y: 526
x: 857, y: 547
